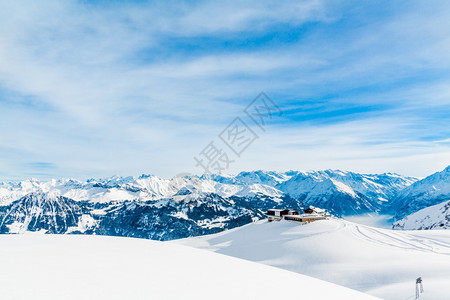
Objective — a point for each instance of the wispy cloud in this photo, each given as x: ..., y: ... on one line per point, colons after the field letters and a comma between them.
x: 98, y: 88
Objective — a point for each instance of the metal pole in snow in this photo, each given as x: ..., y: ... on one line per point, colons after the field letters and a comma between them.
x: 419, y: 287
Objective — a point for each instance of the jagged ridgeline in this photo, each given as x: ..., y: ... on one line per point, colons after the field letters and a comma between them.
x: 160, y: 209
x: 424, y: 193
x: 163, y: 219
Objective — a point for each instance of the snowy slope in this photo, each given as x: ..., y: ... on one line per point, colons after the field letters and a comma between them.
x: 93, y: 267
x: 429, y: 191
x: 433, y: 217
x: 380, y: 262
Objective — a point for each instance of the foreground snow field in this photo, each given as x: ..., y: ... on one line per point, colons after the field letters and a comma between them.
x: 383, y: 263
x: 35, y: 266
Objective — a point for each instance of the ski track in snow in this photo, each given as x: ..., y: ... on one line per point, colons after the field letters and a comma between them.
x: 400, y: 240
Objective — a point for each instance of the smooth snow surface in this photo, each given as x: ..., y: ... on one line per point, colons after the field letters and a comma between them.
x: 380, y: 262
x: 97, y: 267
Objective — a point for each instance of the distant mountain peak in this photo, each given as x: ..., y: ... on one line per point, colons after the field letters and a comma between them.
x: 429, y: 191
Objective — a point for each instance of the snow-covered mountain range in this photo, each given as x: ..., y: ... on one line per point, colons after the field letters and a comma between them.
x: 188, y: 205
x: 366, y: 192
x: 146, y: 207
x: 163, y: 219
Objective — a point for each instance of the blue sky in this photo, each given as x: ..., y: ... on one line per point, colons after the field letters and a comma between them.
x: 96, y: 88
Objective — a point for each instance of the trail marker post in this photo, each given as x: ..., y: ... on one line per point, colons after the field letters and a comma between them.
x: 419, y: 287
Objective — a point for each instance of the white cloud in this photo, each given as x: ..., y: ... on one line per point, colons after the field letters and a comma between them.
x: 105, y: 109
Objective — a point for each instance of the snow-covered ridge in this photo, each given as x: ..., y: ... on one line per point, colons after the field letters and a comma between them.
x: 429, y: 191
x: 432, y: 217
